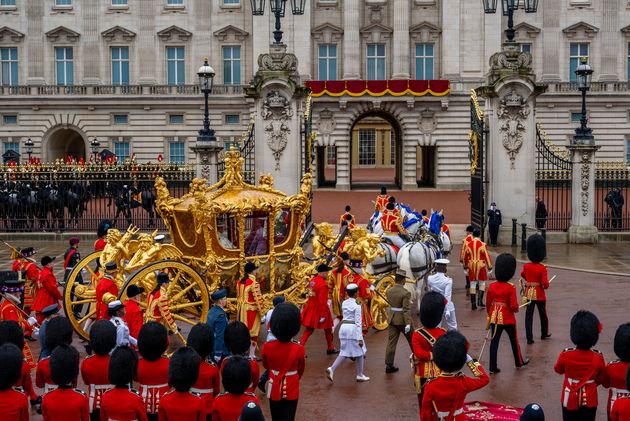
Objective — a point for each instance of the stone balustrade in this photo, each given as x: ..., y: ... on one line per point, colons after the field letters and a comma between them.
x: 102, y: 90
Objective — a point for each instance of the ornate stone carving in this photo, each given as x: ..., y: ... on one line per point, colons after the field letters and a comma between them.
x: 513, y: 110
x: 277, y: 60
x: 427, y: 125
x: 585, y: 174
x: 510, y: 59
x: 325, y: 126
x: 276, y: 114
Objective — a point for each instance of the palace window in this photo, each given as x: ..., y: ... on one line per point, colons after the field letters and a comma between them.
x: 331, y: 155
x: 7, y: 2
x: 424, y: 61
x: 9, y: 65
x: 176, y: 119
x: 10, y: 146
x: 175, y: 66
x: 9, y: 120
x: 120, y: 65
x: 232, y: 65
x: 576, y: 117
x: 376, y: 61
x: 327, y: 61
x: 176, y: 152
x: 526, y: 48
x: 64, y: 65
x: 577, y: 51
x: 231, y: 2
x: 119, y: 2
x: 232, y: 119
x: 122, y: 149
x: 367, y: 147
x: 174, y: 2
x: 63, y: 2
x: 121, y: 119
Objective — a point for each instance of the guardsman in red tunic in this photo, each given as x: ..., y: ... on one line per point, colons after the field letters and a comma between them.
x: 365, y: 294
x: 237, y: 343
x: 250, y: 304
x: 616, y: 370
x: 208, y: 384
x: 106, y: 285
x: 13, y: 402
x: 157, y: 304
x: 501, y: 306
x: 122, y: 403
x: 621, y: 410
x: 65, y: 403
x: 583, y: 369
x: 95, y: 367
x: 316, y: 314
x: 236, y: 376
x: 152, y: 374
x: 180, y: 404
x: 536, y: 280
x: 348, y: 217
x: 381, y: 200
x: 30, y: 273
x: 337, y: 283
x: 133, y: 314
x: 58, y: 332
x: 11, y: 332
x: 479, y: 266
x: 9, y: 310
x: 392, y: 224
x: 463, y: 255
x: 444, y: 396
x: 47, y: 290
x: 284, y: 359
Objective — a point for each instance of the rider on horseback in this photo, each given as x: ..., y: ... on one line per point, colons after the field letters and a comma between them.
x: 393, y: 225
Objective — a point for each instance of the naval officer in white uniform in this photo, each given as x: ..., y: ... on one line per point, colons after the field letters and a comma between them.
x: 441, y: 283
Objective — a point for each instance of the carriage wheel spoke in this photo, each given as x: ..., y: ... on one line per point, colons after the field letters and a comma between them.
x: 183, y: 319
x: 181, y: 293
x: 89, y: 269
x: 186, y: 305
x: 84, y: 301
x: 87, y: 316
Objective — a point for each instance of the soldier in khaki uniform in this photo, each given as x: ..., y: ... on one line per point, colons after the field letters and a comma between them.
x: 399, y: 318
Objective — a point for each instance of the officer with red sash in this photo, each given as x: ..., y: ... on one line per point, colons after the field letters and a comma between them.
x: 536, y: 280
x: 47, y: 290
x: 316, y: 314
x: 106, y: 285
x: 616, y: 370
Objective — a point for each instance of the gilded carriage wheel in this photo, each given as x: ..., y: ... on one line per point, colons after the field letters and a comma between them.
x: 79, y: 294
x: 187, y: 293
x: 378, y: 305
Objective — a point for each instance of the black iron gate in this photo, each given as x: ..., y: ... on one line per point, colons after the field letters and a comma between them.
x: 553, y: 185
x: 476, y: 143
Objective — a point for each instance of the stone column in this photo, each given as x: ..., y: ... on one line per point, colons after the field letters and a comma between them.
x: 91, y: 44
x: 583, y: 229
x: 609, y: 40
x: 400, y: 45
x: 206, y: 157
x: 451, y: 25
x: 551, y: 39
x: 35, y: 42
x: 351, y: 40
x: 146, y: 48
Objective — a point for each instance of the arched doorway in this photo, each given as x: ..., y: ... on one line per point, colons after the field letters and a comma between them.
x: 63, y: 142
x: 375, y: 151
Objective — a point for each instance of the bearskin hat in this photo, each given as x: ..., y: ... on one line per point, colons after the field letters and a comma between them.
x: 622, y: 342
x: 58, y: 332
x: 201, y: 339
x: 504, y: 267
x: 123, y: 365
x: 103, y: 226
x: 102, y: 337
x: 152, y: 341
x: 237, y: 338
x: 285, y: 321
x: 585, y: 329
x: 432, y: 309
x: 11, y: 361
x: 348, y: 208
x: 236, y: 375
x: 449, y: 351
x: 183, y: 369
x: 536, y: 248
x: 11, y: 332
x: 64, y: 365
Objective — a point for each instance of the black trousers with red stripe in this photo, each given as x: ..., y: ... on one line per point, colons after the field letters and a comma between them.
x: 529, y: 319
x: 494, y: 344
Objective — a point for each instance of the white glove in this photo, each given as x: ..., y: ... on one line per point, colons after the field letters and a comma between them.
x: 490, y: 271
x: 35, y: 332
x: 372, y: 288
x: 407, y: 329
x: 468, y: 358
x: 329, y: 302
x: 32, y: 321
x: 321, y: 319
x: 217, y: 358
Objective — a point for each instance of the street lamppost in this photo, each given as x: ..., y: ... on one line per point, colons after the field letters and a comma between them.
x: 95, y: 144
x: 509, y: 6
x: 584, y: 73
x: 206, y: 80
x: 277, y: 8
x: 28, y: 144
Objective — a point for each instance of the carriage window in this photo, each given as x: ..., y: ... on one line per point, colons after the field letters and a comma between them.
x: 256, y: 235
x: 227, y: 232
x: 282, y: 226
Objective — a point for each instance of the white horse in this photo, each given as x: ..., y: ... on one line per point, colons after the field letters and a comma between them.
x: 416, y: 259
x: 385, y: 263
x: 374, y: 224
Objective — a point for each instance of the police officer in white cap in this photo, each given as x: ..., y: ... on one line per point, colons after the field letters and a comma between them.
x: 441, y: 283
x: 116, y: 311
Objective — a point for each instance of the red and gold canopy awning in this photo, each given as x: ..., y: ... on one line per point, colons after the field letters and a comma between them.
x: 378, y: 87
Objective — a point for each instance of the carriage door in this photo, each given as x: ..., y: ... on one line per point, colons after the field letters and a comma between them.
x: 476, y: 143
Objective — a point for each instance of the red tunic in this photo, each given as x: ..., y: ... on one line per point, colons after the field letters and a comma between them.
x: 181, y: 406
x: 447, y: 393
x: 536, y: 281
x: 208, y: 383
x: 133, y: 318
x: 94, y: 372
x: 615, y: 379
x: 13, y: 405
x: 16, y: 266
x: 30, y: 288
x: 583, y: 370
x: 464, y: 255
x: 621, y: 410
x: 364, y: 296
x: 255, y: 372
x: 422, y: 341
x: 249, y: 304
x: 48, y: 291
x: 65, y: 405
x: 99, y: 245
x: 26, y: 382
x: 158, y: 309
x: 152, y: 380
x: 285, y: 362
x: 391, y: 222
x: 381, y: 202
x: 501, y: 303
x: 316, y: 308
x: 478, y: 260
x: 9, y: 311
x: 42, y: 375
x: 104, y: 285
x: 351, y: 222
x: 122, y: 404
x: 228, y: 407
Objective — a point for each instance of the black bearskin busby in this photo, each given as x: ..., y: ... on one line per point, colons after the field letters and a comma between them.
x: 536, y: 248
x: 58, y: 332
x: 622, y: 342
x: 585, y: 328
x: 102, y: 337
x: 183, y: 369
x: 504, y: 267
x: 449, y: 351
x: 64, y: 365
x: 123, y: 366
x: 285, y: 321
x: 431, y: 309
x: 11, y: 332
x: 237, y: 338
x: 103, y: 226
x: 11, y: 361
x: 152, y: 341
x: 236, y: 375
x: 201, y: 339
